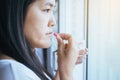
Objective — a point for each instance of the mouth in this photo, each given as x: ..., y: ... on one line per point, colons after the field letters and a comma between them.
x: 49, y: 34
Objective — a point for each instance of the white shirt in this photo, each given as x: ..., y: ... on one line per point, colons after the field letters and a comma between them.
x: 13, y: 70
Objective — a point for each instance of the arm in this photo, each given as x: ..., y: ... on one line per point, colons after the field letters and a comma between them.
x: 64, y: 75
x: 68, y: 57
x: 57, y: 77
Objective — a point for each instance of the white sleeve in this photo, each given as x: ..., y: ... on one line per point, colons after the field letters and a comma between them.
x: 7, y: 72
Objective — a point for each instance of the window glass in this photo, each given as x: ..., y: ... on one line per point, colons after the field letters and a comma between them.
x: 104, y: 40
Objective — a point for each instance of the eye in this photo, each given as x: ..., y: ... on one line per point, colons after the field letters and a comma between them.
x: 47, y: 10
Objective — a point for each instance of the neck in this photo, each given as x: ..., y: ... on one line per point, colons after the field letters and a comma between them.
x: 3, y: 56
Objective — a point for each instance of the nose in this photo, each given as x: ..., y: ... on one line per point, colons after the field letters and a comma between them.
x: 52, y: 21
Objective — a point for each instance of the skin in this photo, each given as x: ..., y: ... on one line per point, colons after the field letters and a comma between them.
x: 39, y: 23
x: 38, y: 29
x: 68, y: 56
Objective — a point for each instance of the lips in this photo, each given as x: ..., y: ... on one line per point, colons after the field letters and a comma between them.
x: 49, y: 34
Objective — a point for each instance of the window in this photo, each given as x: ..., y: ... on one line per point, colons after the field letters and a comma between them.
x: 104, y: 40
x: 70, y: 19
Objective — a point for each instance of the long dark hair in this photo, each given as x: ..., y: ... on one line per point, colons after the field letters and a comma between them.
x: 12, y: 39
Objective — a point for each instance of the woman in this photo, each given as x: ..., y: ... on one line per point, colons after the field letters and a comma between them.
x: 25, y: 25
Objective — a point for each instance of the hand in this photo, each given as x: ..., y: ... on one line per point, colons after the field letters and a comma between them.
x: 82, y: 56
x: 67, y: 56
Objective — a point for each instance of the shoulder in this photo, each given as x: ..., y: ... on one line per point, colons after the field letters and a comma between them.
x: 13, y: 70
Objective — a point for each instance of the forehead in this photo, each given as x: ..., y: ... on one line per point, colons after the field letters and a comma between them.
x: 46, y: 2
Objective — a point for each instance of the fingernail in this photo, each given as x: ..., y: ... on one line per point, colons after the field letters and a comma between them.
x: 55, y: 34
x: 86, y: 49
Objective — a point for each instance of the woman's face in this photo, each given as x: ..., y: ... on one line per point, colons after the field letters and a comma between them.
x: 39, y: 22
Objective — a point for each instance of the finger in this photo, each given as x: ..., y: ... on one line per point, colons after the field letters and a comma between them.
x: 67, y: 37
x: 79, y: 60
x: 81, y: 52
x: 60, y: 42
x: 86, y: 51
x: 81, y: 57
x: 66, y: 45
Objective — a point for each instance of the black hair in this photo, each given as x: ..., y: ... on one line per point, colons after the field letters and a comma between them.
x: 12, y: 39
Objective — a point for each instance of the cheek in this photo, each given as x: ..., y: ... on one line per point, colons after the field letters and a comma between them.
x: 41, y: 42
x: 37, y: 37
x: 35, y: 29
x: 35, y: 17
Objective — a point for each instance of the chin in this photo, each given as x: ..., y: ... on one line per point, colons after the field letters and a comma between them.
x: 42, y: 44
x: 46, y: 46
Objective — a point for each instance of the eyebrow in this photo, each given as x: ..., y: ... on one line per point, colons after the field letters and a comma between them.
x: 50, y: 4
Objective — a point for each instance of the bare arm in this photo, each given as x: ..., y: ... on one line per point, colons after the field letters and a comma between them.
x: 57, y: 77
x: 67, y: 56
